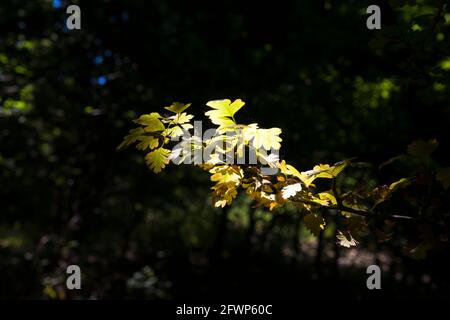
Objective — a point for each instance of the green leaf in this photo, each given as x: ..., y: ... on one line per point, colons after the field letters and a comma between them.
x: 133, y: 136
x: 147, y: 142
x: 157, y: 159
x: 339, y: 167
x: 326, y: 171
x: 402, y: 183
x: 224, y: 110
x: 314, y: 223
x: 422, y: 149
x: 151, y: 122
x: 177, y: 107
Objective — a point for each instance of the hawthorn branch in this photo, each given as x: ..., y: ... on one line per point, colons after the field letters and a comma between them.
x: 361, y: 212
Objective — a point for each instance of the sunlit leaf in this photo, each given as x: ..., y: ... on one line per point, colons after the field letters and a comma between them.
x: 151, y: 122
x: 224, y: 110
x: 157, y: 159
x: 178, y: 131
x: 290, y: 170
x: 329, y: 197
x: 345, y: 239
x: 326, y: 171
x: 291, y: 190
x: 177, y: 107
x: 267, y: 138
x: 403, y: 182
x: 182, y: 118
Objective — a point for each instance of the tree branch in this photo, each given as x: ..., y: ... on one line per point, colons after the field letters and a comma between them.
x: 361, y: 212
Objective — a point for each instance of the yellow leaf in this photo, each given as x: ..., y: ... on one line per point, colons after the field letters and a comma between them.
x: 322, y: 202
x: 328, y: 171
x: 226, y: 177
x: 224, y: 110
x: 314, y: 223
x: 177, y: 107
x: 328, y: 196
x: 267, y: 138
x: 322, y: 171
x: 182, y: 118
x: 273, y: 205
x: 248, y: 132
x: 338, y: 167
x: 157, y: 159
x: 224, y: 193
x: 287, y: 169
x: 346, y: 240
x: 179, y: 130
x: 403, y: 182
x: 325, y: 171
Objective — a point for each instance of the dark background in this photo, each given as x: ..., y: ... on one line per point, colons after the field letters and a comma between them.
x: 312, y: 68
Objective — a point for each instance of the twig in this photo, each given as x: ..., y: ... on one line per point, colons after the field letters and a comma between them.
x: 361, y: 212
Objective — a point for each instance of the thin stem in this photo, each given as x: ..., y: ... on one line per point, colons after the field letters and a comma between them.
x: 361, y: 212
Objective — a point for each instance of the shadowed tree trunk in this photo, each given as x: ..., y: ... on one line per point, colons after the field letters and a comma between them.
x: 222, y: 228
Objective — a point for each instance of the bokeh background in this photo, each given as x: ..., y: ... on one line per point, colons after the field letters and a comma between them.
x: 312, y: 68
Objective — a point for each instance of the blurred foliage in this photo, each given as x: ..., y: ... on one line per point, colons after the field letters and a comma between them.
x: 308, y: 67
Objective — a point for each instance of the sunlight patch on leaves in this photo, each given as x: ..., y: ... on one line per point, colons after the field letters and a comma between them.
x: 291, y: 190
x: 177, y: 107
x: 267, y: 138
x: 224, y: 110
x: 147, y: 142
x: 151, y: 122
x: 157, y: 159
